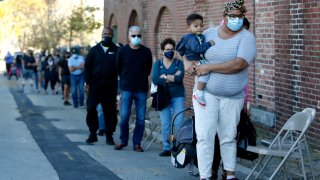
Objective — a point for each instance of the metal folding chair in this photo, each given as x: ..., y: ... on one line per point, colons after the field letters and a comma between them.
x: 291, y: 143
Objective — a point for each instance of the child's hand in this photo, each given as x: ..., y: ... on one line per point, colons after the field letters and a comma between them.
x: 212, y: 42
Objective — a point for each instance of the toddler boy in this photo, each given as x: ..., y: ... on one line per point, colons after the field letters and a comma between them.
x: 193, y: 46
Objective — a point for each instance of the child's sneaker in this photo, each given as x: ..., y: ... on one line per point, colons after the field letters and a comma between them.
x: 199, y: 99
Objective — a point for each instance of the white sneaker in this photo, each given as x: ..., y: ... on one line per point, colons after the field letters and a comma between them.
x: 199, y: 99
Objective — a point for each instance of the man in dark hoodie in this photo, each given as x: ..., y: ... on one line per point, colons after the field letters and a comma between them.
x: 101, y: 82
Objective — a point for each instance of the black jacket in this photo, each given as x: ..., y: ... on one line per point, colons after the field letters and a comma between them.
x: 100, y: 66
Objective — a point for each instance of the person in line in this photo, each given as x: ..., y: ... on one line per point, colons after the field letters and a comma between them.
x: 76, y: 68
x: 169, y: 72
x: 228, y: 65
x: 29, y: 63
x: 217, y: 155
x: 65, y: 77
x: 18, y: 62
x: 13, y: 71
x: 134, y: 63
x: 49, y: 74
x: 101, y: 81
x: 43, y: 54
x: 35, y: 73
x: 193, y: 46
x: 9, y: 59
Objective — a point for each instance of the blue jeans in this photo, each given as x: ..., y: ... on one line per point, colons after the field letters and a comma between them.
x: 36, y: 79
x: 140, y: 100
x: 77, y: 83
x: 166, y: 114
x: 100, y: 117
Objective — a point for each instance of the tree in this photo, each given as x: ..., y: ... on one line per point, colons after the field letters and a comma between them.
x: 36, y: 23
x: 81, y: 20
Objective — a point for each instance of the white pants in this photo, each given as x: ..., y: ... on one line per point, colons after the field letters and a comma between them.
x: 220, y: 115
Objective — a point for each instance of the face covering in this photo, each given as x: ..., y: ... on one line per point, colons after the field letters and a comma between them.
x: 135, y: 41
x: 106, y: 41
x: 234, y: 24
x: 168, y: 54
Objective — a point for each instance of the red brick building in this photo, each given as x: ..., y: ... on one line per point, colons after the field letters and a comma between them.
x: 285, y: 77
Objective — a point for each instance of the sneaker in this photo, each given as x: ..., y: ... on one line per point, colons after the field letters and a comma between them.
x: 109, y: 140
x: 100, y: 132
x: 199, y: 99
x: 92, y: 138
x: 165, y: 153
x: 66, y: 103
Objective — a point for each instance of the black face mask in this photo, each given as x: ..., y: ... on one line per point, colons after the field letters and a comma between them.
x: 106, y: 41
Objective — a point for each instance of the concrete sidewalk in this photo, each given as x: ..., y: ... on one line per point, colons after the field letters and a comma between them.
x: 21, y: 156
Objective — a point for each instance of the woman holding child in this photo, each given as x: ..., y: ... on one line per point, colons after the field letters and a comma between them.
x: 228, y: 62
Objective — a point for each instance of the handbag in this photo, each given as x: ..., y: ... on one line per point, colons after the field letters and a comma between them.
x: 161, y: 98
x: 246, y: 135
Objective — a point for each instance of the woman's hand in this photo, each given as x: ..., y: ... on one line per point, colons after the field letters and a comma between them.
x: 162, y: 76
x: 202, y: 69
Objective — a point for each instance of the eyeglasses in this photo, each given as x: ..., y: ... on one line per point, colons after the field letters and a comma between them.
x: 234, y: 16
x: 136, y: 35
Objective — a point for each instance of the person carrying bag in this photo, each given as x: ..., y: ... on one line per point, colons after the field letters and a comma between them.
x: 167, y: 74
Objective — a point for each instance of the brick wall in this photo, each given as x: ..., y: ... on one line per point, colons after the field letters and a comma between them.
x: 285, y: 76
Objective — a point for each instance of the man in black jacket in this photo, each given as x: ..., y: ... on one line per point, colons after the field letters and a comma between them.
x: 101, y: 82
x: 134, y: 63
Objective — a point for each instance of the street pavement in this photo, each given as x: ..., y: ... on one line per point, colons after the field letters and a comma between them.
x: 43, y: 139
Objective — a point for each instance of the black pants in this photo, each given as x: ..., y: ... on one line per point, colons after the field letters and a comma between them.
x: 52, y: 83
x: 217, y: 155
x: 107, y: 98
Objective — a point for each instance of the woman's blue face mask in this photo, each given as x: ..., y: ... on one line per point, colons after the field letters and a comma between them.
x: 169, y: 54
x: 234, y: 23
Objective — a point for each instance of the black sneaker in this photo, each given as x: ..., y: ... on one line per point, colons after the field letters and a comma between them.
x: 91, y: 139
x: 109, y: 140
x: 100, y: 132
x: 165, y: 153
x: 66, y: 103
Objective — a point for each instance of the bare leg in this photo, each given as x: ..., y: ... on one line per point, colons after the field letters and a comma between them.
x: 66, y: 92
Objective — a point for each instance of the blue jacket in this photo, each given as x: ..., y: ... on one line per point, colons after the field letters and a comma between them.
x: 190, y: 46
x: 176, y: 88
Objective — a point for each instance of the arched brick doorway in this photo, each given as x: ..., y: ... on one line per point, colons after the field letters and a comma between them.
x: 164, y: 29
x: 113, y: 24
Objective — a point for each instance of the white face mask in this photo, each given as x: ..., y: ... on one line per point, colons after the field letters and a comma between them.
x: 135, y: 41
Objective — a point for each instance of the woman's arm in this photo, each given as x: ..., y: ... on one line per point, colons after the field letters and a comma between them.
x: 156, y: 78
x: 229, y: 67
